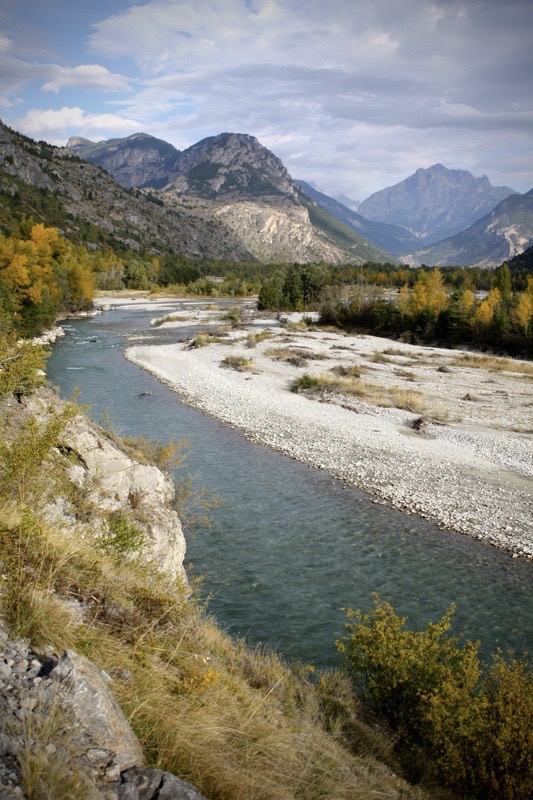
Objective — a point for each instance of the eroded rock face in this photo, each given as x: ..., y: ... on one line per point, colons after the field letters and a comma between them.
x: 111, y: 482
x: 117, y: 482
x: 283, y: 232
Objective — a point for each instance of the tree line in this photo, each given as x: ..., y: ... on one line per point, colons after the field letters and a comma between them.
x: 429, y: 306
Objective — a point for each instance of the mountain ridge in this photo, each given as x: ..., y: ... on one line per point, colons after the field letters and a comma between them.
x: 503, y: 233
x: 392, y: 238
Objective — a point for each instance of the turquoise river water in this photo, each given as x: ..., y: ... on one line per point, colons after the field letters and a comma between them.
x: 290, y: 547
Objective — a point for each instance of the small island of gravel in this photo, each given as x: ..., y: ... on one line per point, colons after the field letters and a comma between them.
x: 444, y: 434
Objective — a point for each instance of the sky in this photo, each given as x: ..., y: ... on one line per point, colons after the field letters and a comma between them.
x: 352, y: 95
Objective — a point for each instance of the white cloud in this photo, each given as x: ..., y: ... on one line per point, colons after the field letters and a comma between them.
x: 57, y: 125
x: 90, y: 77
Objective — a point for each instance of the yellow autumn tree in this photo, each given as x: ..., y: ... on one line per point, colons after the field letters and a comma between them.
x: 429, y: 293
x: 523, y: 312
x: 41, y: 274
x: 488, y: 307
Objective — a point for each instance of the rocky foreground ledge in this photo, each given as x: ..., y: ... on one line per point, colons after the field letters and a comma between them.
x: 60, y: 725
x: 59, y: 711
x: 462, y: 459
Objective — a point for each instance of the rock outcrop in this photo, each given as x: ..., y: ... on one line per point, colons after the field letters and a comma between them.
x: 110, y: 481
x: 60, y: 726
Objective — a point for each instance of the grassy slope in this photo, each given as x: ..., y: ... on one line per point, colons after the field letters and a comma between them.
x: 236, y: 722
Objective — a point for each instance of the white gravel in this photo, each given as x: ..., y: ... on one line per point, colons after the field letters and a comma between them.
x: 472, y: 474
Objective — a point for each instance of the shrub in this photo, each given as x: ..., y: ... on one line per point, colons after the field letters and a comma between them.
x: 21, y: 365
x: 123, y: 535
x: 307, y: 383
x: 238, y: 363
x: 253, y: 339
x: 465, y: 725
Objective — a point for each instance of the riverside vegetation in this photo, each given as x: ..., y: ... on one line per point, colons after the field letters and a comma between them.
x: 236, y: 722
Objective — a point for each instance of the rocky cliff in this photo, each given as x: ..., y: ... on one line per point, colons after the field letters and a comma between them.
x: 62, y: 732
x: 136, y: 161
x: 103, y: 483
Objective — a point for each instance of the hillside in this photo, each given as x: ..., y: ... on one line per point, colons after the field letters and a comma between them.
x: 234, y: 179
x: 502, y: 234
x: 136, y: 161
x: 434, y: 203
x: 391, y: 238
x: 87, y: 205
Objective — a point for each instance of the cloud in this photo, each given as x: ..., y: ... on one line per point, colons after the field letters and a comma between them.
x: 15, y: 73
x: 90, y: 77
x: 55, y: 125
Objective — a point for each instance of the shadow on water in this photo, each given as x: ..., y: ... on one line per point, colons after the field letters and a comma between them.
x: 290, y: 547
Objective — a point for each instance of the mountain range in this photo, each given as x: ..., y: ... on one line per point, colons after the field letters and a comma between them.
x: 229, y: 197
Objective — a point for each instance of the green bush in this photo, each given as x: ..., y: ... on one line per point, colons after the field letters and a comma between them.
x: 306, y: 383
x: 21, y: 365
x: 238, y: 363
x: 123, y: 536
x: 463, y: 724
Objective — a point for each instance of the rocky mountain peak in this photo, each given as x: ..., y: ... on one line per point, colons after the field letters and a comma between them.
x: 78, y: 142
x: 231, y: 165
x: 139, y: 160
x: 435, y: 203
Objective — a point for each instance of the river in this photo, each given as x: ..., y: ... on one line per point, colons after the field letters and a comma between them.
x: 289, y: 547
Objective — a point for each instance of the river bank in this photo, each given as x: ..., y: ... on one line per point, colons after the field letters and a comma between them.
x: 469, y: 471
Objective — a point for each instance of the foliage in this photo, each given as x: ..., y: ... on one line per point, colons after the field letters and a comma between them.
x: 427, y: 312
x: 41, y: 274
x: 238, y: 363
x: 466, y: 725
x: 296, y: 288
x: 21, y: 365
x: 21, y: 459
x: 123, y: 536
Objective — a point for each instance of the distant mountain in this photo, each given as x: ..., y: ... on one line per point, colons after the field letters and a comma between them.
x: 240, y: 183
x: 502, y: 234
x: 353, y: 205
x: 230, y: 166
x: 138, y: 161
x: 392, y: 238
x: 434, y: 203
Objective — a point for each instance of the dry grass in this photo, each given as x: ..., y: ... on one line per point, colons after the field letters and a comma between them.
x: 238, y: 363
x: 385, y: 396
x: 492, y: 363
x: 236, y: 722
x: 253, y: 339
x: 405, y: 373
x: 205, y: 339
x: 297, y: 356
x: 170, y: 318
